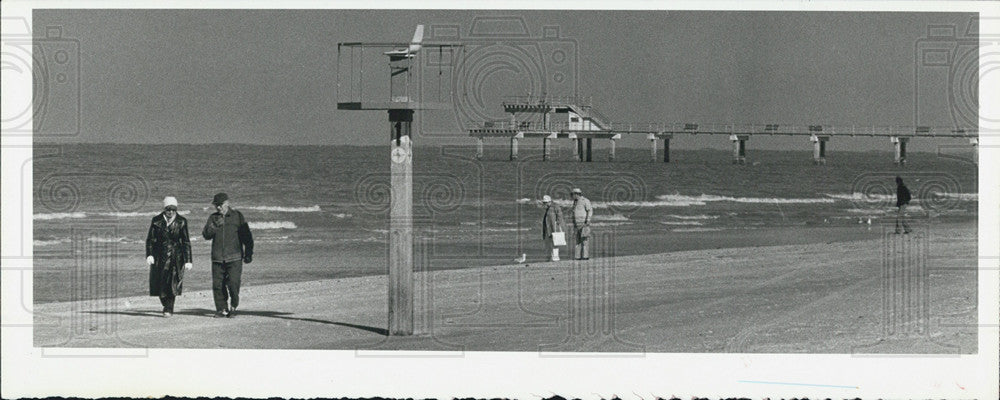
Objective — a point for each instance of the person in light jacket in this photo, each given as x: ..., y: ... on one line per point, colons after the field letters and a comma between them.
x: 582, y: 213
x: 552, y: 221
x: 232, y: 245
x: 168, y: 253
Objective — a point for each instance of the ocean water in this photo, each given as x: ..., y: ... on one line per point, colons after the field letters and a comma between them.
x: 322, y: 204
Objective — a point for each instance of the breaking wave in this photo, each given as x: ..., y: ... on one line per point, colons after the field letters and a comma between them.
x: 284, y: 209
x: 690, y: 217
x: 46, y: 216
x: 878, y: 197
x: 681, y: 223
x: 273, y: 225
x: 54, y: 216
x: 108, y: 239
x: 613, y: 217
x: 678, y: 200
x: 50, y: 242
x: 680, y: 230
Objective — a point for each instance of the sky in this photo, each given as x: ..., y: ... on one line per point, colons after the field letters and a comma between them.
x: 270, y: 76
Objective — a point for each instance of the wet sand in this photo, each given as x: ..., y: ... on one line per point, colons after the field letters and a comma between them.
x: 57, y: 272
x: 888, y: 294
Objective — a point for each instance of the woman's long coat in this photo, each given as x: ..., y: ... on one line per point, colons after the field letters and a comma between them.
x: 170, y: 247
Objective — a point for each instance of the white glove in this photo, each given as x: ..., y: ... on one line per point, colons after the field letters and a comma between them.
x: 150, y: 260
x: 187, y: 266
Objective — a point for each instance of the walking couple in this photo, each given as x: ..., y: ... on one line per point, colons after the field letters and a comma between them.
x: 554, y: 230
x: 168, y: 253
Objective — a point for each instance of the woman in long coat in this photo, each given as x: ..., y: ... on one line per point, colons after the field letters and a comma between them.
x: 168, y: 253
x: 552, y: 222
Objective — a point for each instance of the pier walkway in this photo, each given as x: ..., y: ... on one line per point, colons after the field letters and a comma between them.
x: 575, y: 118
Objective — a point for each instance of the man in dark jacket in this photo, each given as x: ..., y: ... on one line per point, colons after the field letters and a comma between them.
x: 232, y: 245
x: 902, y: 199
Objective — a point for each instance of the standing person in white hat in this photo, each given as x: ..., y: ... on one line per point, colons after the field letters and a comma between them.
x: 552, y: 228
x: 168, y: 253
x: 582, y: 213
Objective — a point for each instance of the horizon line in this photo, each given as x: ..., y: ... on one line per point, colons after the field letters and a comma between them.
x: 430, y: 145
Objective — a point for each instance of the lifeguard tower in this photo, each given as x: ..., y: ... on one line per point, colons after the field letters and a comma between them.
x: 400, y: 95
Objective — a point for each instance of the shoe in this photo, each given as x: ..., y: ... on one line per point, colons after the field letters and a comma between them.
x: 167, y: 314
x: 232, y: 313
x: 219, y: 314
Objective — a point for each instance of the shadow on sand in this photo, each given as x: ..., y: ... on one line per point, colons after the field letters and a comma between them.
x: 203, y: 312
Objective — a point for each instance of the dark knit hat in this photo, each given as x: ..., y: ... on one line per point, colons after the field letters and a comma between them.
x: 220, y: 198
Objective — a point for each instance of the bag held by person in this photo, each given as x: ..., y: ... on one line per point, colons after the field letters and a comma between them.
x: 559, y: 238
x: 585, y: 232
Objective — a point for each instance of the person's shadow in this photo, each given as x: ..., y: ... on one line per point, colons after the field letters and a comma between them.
x: 204, y: 312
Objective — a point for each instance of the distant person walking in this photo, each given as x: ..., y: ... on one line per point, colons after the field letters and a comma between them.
x: 552, y: 222
x: 582, y: 212
x: 168, y: 253
x: 902, y: 199
x: 232, y: 245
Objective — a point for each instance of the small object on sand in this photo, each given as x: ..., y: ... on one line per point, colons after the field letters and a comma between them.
x: 522, y: 259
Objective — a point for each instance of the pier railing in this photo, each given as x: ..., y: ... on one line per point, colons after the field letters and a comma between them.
x: 733, y: 129
x: 544, y: 100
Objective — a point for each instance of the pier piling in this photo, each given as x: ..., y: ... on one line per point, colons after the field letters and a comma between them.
x: 819, y: 148
x: 666, y: 149
x: 513, y: 148
x: 739, y: 148
x: 652, y: 147
x: 975, y: 150
x: 900, y: 142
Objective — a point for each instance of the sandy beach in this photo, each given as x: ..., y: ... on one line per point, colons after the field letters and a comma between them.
x: 896, y: 294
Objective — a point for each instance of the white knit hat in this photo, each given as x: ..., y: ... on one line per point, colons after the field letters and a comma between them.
x: 546, y: 199
x: 169, y: 201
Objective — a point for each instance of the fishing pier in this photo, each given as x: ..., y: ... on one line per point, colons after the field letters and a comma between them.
x: 553, y: 118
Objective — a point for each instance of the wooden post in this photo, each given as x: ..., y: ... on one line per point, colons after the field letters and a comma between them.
x: 401, y: 225
x: 479, y: 148
x: 590, y: 154
x: 578, y: 149
x: 546, y: 148
x: 611, y: 151
x: 513, y: 148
